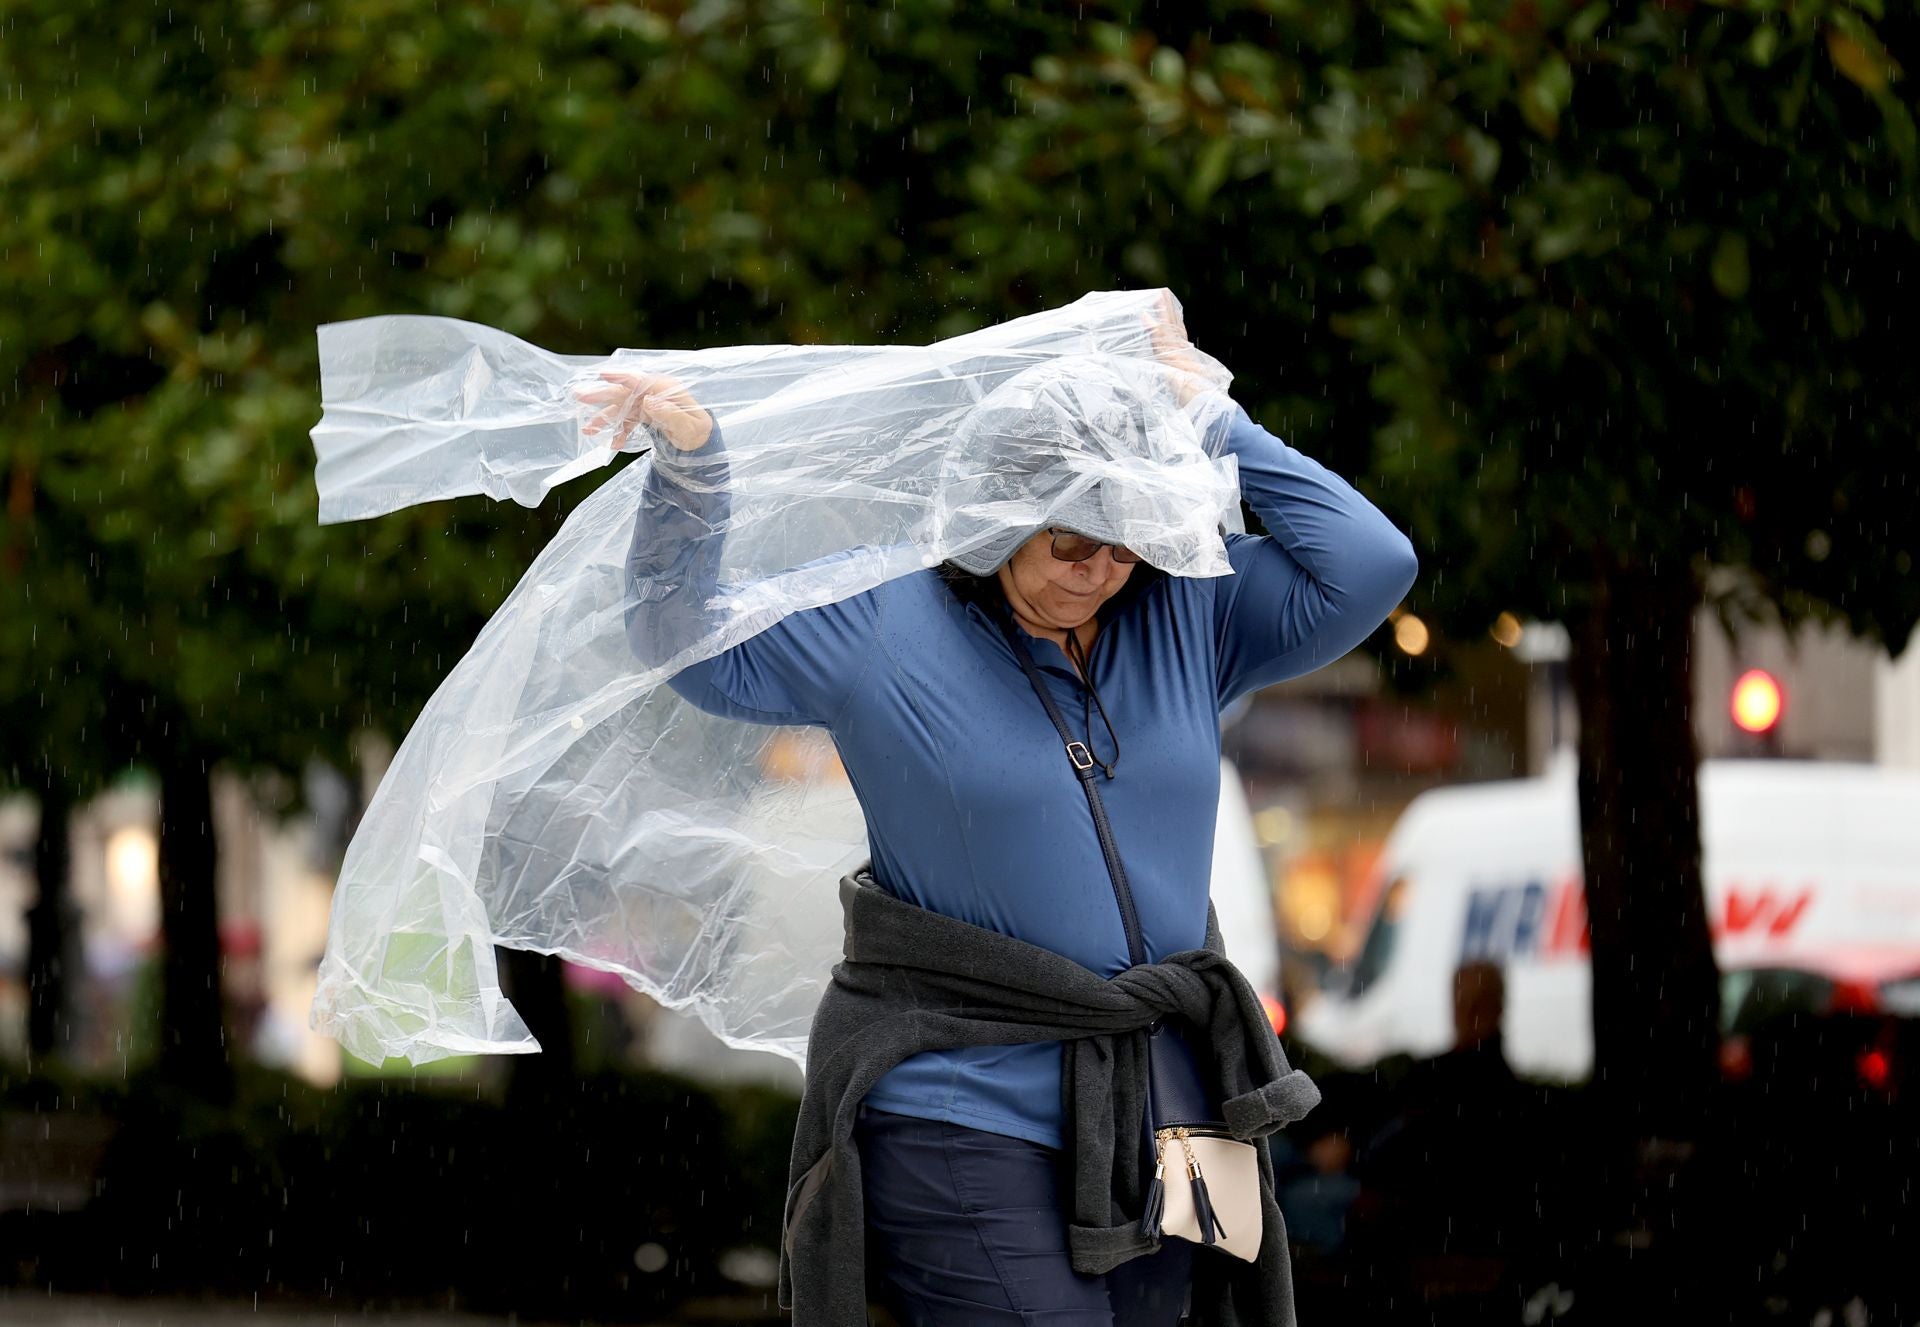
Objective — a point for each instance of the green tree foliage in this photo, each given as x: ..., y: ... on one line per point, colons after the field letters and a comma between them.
x: 1562, y: 239
x: 1624, y: 297
x: 191, y: 191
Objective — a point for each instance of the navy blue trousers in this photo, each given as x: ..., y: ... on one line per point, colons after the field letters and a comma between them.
x: 967, y: 1227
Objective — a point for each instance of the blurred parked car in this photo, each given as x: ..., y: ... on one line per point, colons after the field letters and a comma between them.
x: 1849, y: 1012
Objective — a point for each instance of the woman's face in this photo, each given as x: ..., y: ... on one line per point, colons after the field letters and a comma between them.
x: 1053, y: 595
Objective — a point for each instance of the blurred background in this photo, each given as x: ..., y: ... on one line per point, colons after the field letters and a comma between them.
x: 1589, y: 888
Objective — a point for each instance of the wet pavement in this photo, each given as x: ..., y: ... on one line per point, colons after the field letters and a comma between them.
x: 28, y: 1309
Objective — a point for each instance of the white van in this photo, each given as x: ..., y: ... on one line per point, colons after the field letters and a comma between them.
x: 1802, y: 861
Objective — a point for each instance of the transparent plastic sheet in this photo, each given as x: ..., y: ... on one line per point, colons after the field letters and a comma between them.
x: 554, y: 795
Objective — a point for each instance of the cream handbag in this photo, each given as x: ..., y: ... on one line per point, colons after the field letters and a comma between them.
x: 1222, y: 1181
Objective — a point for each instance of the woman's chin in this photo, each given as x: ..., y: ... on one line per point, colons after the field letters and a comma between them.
x: 1070, y: 616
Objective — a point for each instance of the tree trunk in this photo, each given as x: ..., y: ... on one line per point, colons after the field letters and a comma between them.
x: 193, y: 1049
x: 51, y: 938
x: 1656, y: 993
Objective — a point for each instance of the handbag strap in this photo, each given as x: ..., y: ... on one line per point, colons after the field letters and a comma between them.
x: 1084, y: 766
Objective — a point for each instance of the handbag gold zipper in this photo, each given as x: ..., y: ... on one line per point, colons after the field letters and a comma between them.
x: 1180, y: 1134
x: 1210, y: 1224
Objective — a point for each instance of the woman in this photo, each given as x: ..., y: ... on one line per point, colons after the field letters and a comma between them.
x: 972, y: 813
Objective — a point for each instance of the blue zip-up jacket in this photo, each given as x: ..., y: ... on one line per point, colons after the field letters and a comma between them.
x: 972, y: 809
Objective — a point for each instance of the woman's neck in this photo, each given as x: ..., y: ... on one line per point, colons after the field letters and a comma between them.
x: 1086, y: 631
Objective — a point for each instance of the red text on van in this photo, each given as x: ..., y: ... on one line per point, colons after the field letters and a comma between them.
x: 1762, y: 910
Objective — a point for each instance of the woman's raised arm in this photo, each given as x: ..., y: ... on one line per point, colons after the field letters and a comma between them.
x: 799, y: 670
x: 1328, y: 573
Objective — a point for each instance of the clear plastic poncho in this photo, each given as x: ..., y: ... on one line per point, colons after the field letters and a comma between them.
x: 554, y: 795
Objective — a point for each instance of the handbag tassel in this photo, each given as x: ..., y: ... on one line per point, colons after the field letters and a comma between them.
x: 1211, y: 1231
x: 1150, y: 1219
x: 1203, y: 1212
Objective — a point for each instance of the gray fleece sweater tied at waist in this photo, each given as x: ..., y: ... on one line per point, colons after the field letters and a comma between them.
x: 914, y: 980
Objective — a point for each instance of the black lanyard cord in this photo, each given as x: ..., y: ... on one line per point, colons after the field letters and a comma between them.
x: 1090, y: 700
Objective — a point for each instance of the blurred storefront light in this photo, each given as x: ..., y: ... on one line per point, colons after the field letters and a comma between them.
x: 1543, y: 643
x: 1315, y: 920
x: 1411, y: 634
x: 1273, y: 826
x: 1506, y: 630
x: 133, y: 883
x: 1310, y: 898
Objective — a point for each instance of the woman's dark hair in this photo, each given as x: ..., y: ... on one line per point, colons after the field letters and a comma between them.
x: 971, y: 589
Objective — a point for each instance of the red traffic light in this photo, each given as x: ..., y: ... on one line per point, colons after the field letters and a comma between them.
x: 1757, y: 701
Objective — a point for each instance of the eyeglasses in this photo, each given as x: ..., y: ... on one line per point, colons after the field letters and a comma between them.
x: 1070, y: 547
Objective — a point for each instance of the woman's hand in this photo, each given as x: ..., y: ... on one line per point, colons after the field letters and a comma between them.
x: 1186, y: 371
x: 654, y: 400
